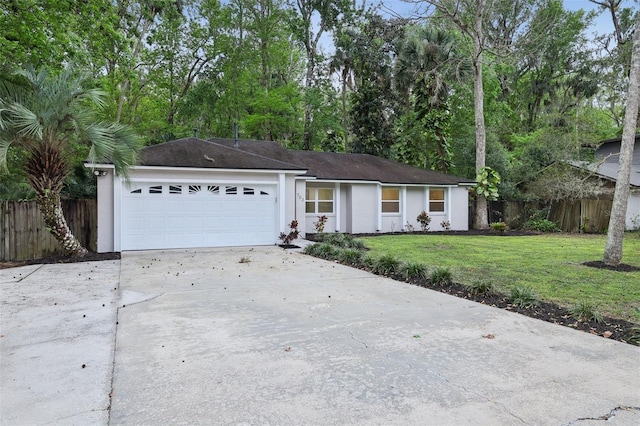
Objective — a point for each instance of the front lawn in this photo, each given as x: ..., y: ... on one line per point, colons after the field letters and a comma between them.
x: 550, y: 264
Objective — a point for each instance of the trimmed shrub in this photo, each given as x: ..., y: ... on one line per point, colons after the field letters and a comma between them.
x: 350, y: 256
x: 523, y: 297
x: 480, y: 286
x: 441, y: 276
x: 386, y: 265
x: 415, y: 270
x: 586, y: 311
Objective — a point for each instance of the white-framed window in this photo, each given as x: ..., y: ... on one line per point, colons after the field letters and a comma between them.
x: 390, y: 200
x: 436, y: 200
x: 319, y: 200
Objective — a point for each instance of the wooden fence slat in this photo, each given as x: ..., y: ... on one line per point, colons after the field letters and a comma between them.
x: 24, y: 234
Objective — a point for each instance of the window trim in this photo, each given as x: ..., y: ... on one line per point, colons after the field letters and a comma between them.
x: 317, y: 201
x: 442, y: 202
x: 389, y: 201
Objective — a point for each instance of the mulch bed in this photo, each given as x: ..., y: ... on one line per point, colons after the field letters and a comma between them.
x: 611, y: 328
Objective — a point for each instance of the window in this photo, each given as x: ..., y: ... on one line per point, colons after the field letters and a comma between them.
x: 390, y: 200
x: 155, y: 189
x: 436, y: 200
x: 231, y: 190
x: 175, y: 189
x: 319, y: 200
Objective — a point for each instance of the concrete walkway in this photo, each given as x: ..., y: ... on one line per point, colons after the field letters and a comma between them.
x: 266, y: 336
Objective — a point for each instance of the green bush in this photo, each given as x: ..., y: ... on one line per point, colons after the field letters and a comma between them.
x: 441, y: 276
x: 414, y: 270
x: 386, y: 265
x: 480, y: 286
x: 350, y: 256
x: 499, y: 227
x: 586, y: 311
x: 538, y: 222
x: 523, y: 297
x: 634, y: 336
x: 341, y: 240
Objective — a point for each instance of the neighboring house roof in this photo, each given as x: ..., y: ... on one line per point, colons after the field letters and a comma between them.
x: 193, y: 152
x: 607, y: 156
x: 248, y: 154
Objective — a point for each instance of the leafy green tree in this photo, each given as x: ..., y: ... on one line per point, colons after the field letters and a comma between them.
x: 313, y: 19
x: 48, y: 116
x: 374, y: 105
x: 469, y: 16
x: 427, y: 61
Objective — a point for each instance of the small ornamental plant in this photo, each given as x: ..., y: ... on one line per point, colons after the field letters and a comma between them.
x: 424, y: 220
x: 292, y: 235
x: 499, y: 227
x: 446, y: 225
x: 322, y: 220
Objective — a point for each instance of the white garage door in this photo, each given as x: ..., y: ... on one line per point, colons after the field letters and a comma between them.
x: 163, y: 216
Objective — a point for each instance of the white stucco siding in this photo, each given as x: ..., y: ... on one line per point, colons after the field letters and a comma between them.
x: 633, y: 212
x: 415, y: 204
x: 364, y: 208
x: 458, y: 206
x: 299, y: 206
x: 105, y: 211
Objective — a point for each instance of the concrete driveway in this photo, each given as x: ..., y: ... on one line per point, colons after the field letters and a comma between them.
x: 266, y: 336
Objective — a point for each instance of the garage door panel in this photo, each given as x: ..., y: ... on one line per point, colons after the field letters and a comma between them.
x: 178, y: 215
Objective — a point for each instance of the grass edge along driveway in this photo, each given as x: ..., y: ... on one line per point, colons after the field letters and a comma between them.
x: 549, y: 264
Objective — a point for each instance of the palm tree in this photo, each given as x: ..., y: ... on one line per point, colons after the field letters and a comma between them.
x: 427, y: 61
x: 47, y: 115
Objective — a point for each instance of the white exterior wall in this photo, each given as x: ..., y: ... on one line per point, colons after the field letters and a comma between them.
x: 416, y: 203
x: 105, y: 211
x: 633, y: 212
x: 364, y: 208
x: 299, y: 212
x: 458, y: 208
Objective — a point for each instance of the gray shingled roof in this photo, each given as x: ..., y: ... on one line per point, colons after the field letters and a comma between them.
x: 364, y: 167
x: 268, y: 155
x: 192, y: 152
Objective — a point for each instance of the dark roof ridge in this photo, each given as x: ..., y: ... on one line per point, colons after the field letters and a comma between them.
x: 224, y: 147
x: 253, y: 154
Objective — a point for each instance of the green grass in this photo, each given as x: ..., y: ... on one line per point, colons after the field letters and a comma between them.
x: 550, y: 265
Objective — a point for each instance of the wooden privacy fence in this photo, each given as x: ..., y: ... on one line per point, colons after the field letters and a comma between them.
x: 23, y: 234
x: 591, y: 216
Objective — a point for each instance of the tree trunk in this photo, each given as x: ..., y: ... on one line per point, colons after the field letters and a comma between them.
x: 613, y: 248
x: 481, y: 219
x: 46, y: 171
x: 51, y: 209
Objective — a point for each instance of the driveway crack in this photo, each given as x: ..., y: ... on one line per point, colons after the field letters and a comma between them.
x: 502, y: 406
x: 604, y: 417
x: 359, y: 341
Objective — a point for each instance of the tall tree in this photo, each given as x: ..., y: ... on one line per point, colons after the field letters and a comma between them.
x: 468, y: 16
x: 427, y: 61
x: 48, y: 116
x: 314, y: 18
x: 613, y: 248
